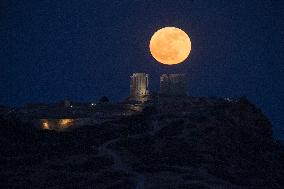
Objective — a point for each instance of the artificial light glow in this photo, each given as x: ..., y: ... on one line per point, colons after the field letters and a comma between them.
x: 65, y: 121
x: 45, y: 125
x: 170, y: 45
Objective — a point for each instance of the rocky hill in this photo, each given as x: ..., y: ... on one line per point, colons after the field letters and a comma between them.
x: 215, y: 145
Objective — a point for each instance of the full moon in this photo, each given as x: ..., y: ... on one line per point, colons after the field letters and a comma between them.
x: 170, y: 45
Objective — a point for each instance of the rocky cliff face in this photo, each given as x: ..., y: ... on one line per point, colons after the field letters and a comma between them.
x: 215, y: 145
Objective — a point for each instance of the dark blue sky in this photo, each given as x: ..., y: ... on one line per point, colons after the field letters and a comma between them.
x: 80, y: 50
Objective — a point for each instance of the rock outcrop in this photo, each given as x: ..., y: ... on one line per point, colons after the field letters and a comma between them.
x: 214, y: 145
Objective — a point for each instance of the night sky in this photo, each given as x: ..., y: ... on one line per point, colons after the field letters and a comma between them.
x: 83, y: 49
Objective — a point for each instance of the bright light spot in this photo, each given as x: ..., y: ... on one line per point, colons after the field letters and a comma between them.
x: 65, y: 121
x: 45, y: 125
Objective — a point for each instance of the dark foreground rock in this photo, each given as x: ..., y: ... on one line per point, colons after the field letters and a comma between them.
x: 224, y: 145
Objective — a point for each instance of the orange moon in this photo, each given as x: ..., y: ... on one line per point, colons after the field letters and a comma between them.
x: 170, y: 45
